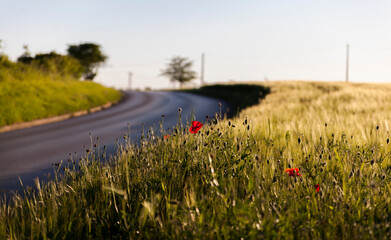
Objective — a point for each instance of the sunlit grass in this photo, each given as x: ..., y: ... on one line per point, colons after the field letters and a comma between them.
x: 27, y: 94
x: 229, y: 179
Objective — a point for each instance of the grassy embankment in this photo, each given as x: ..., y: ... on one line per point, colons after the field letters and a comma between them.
x: 27, y: 94
x: 229, y: 180
x: 240, y: 96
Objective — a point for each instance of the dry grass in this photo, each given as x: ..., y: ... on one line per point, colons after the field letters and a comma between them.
x: 229, y: 180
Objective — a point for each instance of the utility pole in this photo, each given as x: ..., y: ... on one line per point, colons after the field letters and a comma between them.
x: 347, y: 63
x: 202, y: 69
x: 130, y: 80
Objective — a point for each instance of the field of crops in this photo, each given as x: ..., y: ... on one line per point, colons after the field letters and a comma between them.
x: 310, y: 161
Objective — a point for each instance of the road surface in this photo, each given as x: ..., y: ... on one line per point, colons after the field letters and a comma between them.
x: 29, y: 153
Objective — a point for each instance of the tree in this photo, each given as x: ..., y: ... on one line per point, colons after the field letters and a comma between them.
x: 1, y: 48
x: 57, y: 63
x: 26, y: 56
x: 53, y: 63
x: 90, y: 57
x: 179, y: 69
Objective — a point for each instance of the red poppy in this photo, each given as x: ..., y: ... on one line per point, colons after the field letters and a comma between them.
x: 293, y: 172
x: 317, y: 187
x: 195, y: 126
x: 167, y: 136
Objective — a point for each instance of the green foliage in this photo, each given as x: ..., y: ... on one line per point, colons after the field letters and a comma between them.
x: 5, y: 63
x: 55, y: 63
x: 239, y: 96
x: 179, y: 69
x: 90, y: 57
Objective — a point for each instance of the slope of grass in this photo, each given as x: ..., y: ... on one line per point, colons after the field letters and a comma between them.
x: 229, y: 180
x: 27, y: 94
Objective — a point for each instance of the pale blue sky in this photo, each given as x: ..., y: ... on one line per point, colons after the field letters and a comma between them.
x: 242, y: 40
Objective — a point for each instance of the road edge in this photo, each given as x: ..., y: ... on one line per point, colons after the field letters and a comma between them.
x: 43, y: 121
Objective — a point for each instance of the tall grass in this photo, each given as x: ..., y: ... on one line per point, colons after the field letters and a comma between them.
x: 27, y: 93
x: 229, y: 180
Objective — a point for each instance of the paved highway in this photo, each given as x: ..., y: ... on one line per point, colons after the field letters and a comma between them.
x: 29, y: 153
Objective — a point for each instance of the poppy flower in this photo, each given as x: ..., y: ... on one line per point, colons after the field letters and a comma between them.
x: 195, y: 126
x: 167, y: 136
x: 317, y: 187
x: 293, y: 172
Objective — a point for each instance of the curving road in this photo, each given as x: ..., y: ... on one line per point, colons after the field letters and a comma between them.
x: 30, y: 152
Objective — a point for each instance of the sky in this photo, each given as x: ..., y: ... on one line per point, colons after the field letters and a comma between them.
x: 251, y: 40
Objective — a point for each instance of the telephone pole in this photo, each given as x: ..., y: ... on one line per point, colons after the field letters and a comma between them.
x: 130, y: 80
x: 347, y: 63
x: 202, y: 68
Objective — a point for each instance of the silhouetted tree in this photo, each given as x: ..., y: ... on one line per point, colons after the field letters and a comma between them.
x: 179, y: 69
x: 90, y: 57
x: 26, y: 56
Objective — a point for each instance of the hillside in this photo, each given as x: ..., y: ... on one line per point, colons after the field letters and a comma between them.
x: 27, y: 93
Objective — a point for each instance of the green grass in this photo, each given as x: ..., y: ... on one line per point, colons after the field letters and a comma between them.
x: 27, y: 94
x: 229, y: 180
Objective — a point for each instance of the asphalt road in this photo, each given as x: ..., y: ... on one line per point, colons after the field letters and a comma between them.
x: 30, y: 153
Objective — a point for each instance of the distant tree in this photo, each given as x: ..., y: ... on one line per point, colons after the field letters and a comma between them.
x: 3, y: 58
x: 1, y: 47
x: 57, y: 63
x: 26, y: 56
x: 179, y: 70
x: 90, y: 57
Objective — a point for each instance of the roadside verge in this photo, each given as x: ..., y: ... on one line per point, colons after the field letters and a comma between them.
x: 38, y: 122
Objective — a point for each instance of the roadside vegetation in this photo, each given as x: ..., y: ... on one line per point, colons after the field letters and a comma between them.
x: 310, y: 161
x: 239, y: 96
x: 46, y: 86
